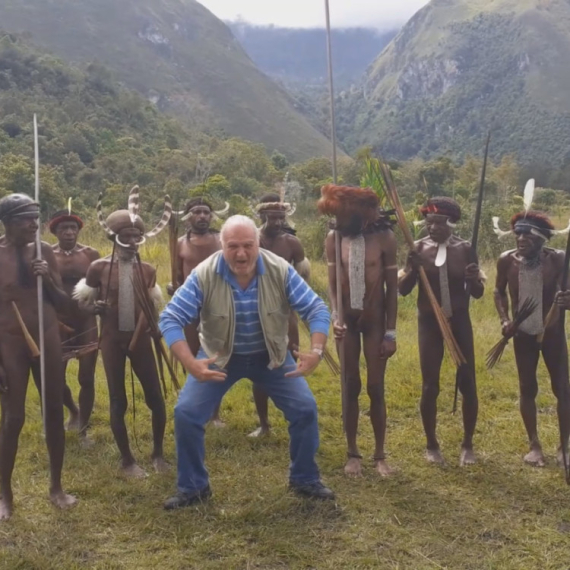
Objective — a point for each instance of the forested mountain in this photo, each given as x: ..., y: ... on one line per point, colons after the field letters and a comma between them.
x: 297, y: 56
x: 96, y: 136
x: 178, y: 55
x: 460, y: 67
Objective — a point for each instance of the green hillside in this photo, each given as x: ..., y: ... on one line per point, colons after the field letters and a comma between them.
x: 96, y: 136
x: 176, y: 54
x: 460, y: 67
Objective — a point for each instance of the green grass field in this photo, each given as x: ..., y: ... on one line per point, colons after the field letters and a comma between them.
x: 499, y: 514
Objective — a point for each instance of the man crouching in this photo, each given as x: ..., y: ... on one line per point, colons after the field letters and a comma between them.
x: 243, y: 296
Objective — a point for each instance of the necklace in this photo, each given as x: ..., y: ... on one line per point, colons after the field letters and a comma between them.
x: 67, y: 252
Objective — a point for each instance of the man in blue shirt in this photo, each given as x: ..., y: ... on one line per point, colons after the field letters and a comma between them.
x: 242, y: 297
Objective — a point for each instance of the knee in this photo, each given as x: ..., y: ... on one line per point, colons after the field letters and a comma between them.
x: 430, y: 390
x: 561, y: 390
x: 468, y: 388
x: 13, y: 423
x: 354, y: 386
x: 187, y: 413
x: 375, y: 392
x: 118, y: 406
x: 529, y: 391
x: 154, y: 400
x: 87, y: 380
x: 306, y: 411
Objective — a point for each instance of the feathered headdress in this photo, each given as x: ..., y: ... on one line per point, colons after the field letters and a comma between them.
x: 528, y: 221
x: 202, y: 201
x: 66, y: 215
x: 130, y: 217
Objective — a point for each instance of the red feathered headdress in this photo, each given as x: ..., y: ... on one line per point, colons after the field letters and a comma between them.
x: 349, y: 200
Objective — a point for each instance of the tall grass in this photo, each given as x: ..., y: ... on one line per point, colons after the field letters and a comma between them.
x: 499, y: 514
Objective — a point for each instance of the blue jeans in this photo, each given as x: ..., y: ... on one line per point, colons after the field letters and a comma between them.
x: 292, y: 396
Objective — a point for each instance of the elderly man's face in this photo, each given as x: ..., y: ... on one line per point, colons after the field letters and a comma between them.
x: 241, y: 250
x: 67, y: 233
x: 23, y: 229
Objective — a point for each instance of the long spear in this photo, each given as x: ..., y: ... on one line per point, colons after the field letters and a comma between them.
x: 337, y: 236
x: 564, y: 368
x: 384, y: 175
x: 40, y: 281
x: 474, y: 243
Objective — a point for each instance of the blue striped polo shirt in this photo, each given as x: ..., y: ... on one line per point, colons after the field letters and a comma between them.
x: 185, y: 306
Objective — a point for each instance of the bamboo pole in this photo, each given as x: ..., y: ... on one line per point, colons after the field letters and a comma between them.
x: 337, y: 236
x: 40, y: 281
x: 447, y: 334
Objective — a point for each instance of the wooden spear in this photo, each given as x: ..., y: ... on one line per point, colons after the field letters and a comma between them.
x: 40, y: 281
x: 337, y: 236
x: 474, y: 243
x: 448, y: 338
x: 563, y: 362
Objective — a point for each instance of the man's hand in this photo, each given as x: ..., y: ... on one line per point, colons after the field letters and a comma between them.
x: 388, y: 348
x: 562, y: 299
x: 339, y: 330
x: 306, y: 364
x: 40, y: 268
x: 98, y: 308
x: 414, y: 260
x: 508, y: 328
x: 472, y: 272
x: 170, y: 289
x: 200, y: 369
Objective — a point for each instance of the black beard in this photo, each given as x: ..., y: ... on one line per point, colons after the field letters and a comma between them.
x: 198, y: 231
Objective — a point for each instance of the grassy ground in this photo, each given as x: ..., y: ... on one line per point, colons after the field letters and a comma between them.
x: 498, y: 514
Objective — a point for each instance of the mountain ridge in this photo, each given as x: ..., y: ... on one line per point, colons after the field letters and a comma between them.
x: 178, y: 55
x: 459, y: 68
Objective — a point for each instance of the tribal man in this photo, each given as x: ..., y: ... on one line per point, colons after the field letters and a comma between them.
x: 80, y: 327
x: 109, y: 285
x: 277, y: 236
x: 200, y: 241
x: 370, y: 299
x: 451, y: 268
x: 534, y: 271
x: 19, y: 319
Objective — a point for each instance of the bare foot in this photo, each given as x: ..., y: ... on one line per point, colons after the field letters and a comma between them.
x: 5, y: 509
x: 73, y: 422
x: 560, y: 457
x: 467, y: 457
x: 218, y: 423
x: 86, y: 442
x: 62, y: 500
x: 535, y: 457
x: 382, y: 468
x: 134, y: 471
x: 160, y: 465
x: 435, y: 456
x: 260, y: 432
x: 353, y: 467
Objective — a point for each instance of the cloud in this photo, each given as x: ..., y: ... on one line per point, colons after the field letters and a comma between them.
x: 310, y: 13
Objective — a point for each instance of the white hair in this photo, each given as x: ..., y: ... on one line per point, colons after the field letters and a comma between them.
x: 237, y: 221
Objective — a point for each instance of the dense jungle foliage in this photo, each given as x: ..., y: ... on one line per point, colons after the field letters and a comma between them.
x: 96, y: 136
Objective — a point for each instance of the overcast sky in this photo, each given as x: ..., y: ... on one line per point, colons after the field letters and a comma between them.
x: 310, y: 13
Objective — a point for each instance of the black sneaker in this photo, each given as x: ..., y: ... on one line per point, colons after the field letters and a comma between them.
x: 181, y: 500
x: 313, y: 490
